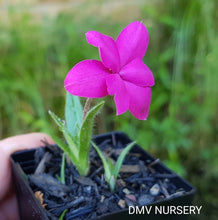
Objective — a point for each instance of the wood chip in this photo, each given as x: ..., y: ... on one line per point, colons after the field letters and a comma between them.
x: 41, y: 166
x: 126, y: 191
x: 50, y: 184
x: 122, y: 203
x: 118, y: 152
x: 102, y: 198
x: 131, y: 197
x: 120, y: 182
x: 85, y: 181
x: 130, y: 169
x: 39, y: 196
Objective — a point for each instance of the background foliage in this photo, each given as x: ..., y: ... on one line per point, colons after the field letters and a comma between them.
x: 182, y: 127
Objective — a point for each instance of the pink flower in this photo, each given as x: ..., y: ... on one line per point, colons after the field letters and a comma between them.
x: 121, y: 71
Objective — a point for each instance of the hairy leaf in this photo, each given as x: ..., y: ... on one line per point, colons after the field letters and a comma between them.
x: 73, y: 114
x: 85, y: 137
x: 69, y: 138
x: 64, y: 147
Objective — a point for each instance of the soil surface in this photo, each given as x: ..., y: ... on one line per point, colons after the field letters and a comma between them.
x: 140, y: 182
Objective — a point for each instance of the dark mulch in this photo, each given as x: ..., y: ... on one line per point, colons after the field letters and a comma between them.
x: 139, y: 183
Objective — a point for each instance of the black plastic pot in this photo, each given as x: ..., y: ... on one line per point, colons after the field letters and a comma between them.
x: 30, y: 208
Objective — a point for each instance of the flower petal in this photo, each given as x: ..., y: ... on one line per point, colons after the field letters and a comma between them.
x: 87, y: 79
x: 107, y: 49
x: 116, y: 86
x: 140, y: 98
x: 138, y: 73
x: 132, y: 42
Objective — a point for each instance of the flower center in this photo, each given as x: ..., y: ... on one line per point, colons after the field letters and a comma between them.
x: 110, y: 70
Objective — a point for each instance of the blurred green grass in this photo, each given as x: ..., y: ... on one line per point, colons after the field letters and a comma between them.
x: 182, y: 125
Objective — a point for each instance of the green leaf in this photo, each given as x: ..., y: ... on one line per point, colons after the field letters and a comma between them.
x: 112, y: 183
x: 62, y: 215
x: 111, y: 171
x: 121, y: 159
x: 65, y: 148
x: 70, y: 140
x: 107, y: 167
x: 57, y: 120
x: 58, y: 178
x: 73, y: 114
x: 63, y: 168
x: 110, y: 164
x: 85, y: 138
